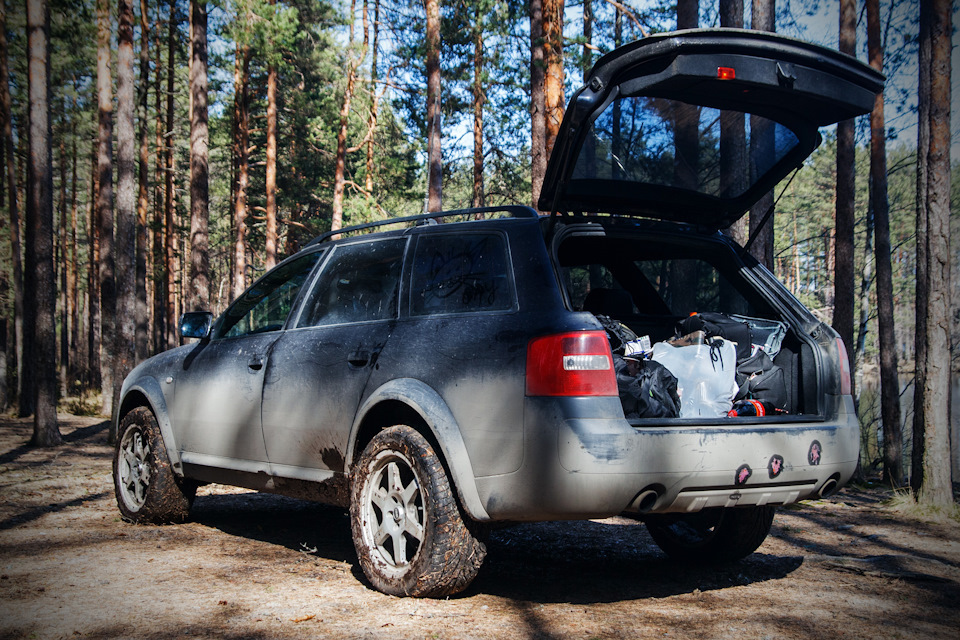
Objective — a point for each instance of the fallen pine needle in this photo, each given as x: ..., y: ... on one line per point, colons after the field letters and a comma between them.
x: 304, y: 618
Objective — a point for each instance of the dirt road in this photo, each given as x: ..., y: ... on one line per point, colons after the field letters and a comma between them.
x: 258, y: 566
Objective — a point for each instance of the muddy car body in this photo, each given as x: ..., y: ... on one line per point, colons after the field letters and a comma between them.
x: 439, y: 377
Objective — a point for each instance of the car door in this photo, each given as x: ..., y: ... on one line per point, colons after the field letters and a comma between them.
x: 318, y: 371
x: 216, y: 411
x: 695, y: 126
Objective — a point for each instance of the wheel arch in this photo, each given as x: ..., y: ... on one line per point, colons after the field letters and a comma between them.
x: 417, y: 405
x: 146, y: 392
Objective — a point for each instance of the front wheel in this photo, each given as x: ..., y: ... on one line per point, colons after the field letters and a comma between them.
x: 146, y: 488
x: 712, y: 535
x: 410, y: 536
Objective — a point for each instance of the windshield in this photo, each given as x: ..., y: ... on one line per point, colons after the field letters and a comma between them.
x: 669, y: 143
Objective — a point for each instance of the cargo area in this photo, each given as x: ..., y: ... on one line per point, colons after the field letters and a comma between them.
x: 652, y: 293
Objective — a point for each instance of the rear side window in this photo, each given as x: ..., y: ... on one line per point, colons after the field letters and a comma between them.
x: 358, y: 284
x: 463, y: 273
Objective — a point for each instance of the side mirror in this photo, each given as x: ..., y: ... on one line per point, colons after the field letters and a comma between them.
x: 196, y: 324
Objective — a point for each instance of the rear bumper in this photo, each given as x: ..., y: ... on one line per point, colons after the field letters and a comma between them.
x: 578, y: 465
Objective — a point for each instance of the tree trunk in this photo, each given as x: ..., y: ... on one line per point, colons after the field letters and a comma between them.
x: 687, y: 126
x: 94, y: 363
x: 843, y: 277
x: 270, y: 248
x: 126, y: 231
x: 866, y: 280
x: 479, y: 198
x: 936, y: 488
x: 40, y: 274
x: 73, y: 301
x: 374, y: 99
x: 198, y: 294
x: 553, y: 82
x: 15, y: 349
x: 538, y: 131
x: 340, y: 160
x: 108, y: 285
x: 61, y: 262
x: 158, y: 273
x: 242, y: 129
x: 143, y: 197
x: 761, y: 152
x: 587, y: 54
x: 688, y: 14
x: 615, y: 143
x: 434, y: 154
x: 889, y: 384
x: 686, y: 166
x: 923, y: 281
x: 733, y: 136
x: 169, y: 200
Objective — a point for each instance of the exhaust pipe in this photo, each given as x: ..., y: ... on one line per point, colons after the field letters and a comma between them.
x: 829, y: 487
x: 646, y: 500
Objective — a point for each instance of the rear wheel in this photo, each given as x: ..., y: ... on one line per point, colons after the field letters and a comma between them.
x: 410, y: 536
x: 146, y: 488
x: 712, y: 535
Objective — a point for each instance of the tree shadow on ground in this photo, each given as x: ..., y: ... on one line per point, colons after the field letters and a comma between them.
x: 298, y: 525
x: 575, y: 562
x: 80, y: 435
x: 605, y: 561
x: 899, y: 530
x: 34, y: 513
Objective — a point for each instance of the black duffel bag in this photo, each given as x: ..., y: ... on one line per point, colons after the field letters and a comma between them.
x: 719, y: 324
x: 760, y: 379
x: 651, y: 393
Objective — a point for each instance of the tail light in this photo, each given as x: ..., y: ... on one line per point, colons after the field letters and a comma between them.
x: 846, y: 388
x: 571, y: 364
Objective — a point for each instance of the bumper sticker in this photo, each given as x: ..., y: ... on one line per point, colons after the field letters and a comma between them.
x: 816, y: 451
x: 775, y: 466
x: 743, y: 474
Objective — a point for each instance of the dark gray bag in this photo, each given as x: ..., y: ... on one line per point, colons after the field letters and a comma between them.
x: 760, y: 379
x: 652, y: 393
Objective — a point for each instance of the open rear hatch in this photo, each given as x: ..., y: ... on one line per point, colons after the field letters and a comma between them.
x: 695, y: 126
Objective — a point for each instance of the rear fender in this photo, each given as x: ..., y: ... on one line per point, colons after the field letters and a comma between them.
x: 434, y: 412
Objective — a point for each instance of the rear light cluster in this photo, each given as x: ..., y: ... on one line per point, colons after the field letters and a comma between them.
x: 571, y: 364
x: 846, y: 388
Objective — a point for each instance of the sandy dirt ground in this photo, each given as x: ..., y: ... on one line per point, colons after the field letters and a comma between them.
x: 256, y: 566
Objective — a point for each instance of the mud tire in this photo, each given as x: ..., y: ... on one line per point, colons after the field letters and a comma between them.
x: 712, y: 536
x: 409, y: 532
x: 147, y: 490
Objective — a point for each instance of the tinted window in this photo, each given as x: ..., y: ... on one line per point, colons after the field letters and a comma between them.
x: 265, y: 305
x: 670, y: 143
x: 646, y: 276
x: 461, y: 273
x: 358, y: 284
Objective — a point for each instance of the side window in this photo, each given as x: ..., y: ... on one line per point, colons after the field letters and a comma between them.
x: 265, y: 305
x: 358, y: 284
x: 461, y: 274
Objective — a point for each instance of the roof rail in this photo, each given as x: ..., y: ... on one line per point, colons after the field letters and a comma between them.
x: 517, y: 211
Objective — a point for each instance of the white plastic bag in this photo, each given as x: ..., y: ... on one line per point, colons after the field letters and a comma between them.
x: 706, y: 376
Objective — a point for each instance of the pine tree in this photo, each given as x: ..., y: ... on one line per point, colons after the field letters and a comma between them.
x: 40, y: 275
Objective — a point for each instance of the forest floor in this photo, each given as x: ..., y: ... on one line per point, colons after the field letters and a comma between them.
x: 256, y: 566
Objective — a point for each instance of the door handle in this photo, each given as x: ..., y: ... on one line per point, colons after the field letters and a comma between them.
x: 359, y: 358
x: 255, y: 365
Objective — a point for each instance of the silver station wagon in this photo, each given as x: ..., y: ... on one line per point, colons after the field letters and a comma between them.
x: 503, y: 366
